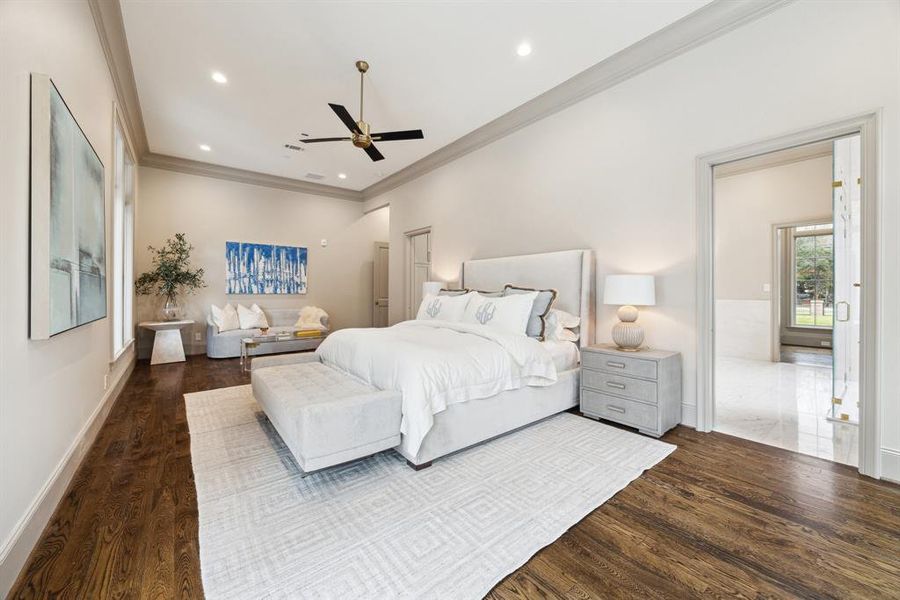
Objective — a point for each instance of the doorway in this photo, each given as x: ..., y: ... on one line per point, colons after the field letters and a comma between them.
x: 786, y: 249
x: 380, y: 285
x: 418, y: 267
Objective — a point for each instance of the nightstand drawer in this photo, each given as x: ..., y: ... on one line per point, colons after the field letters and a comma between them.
x: 622, y: 365
x: 608, y: 383
x: 620, y: 410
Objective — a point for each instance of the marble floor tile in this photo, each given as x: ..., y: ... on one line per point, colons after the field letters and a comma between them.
x: 784, y: 405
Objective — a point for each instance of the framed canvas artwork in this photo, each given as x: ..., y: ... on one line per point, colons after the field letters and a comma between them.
x: 68, y: 218
x: 264, y: 269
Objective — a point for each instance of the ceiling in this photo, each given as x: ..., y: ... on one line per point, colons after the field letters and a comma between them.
x: 444, y: 67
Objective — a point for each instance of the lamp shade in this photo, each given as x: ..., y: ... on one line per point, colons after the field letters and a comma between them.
x: 636, y: 290
x: 432, y: 288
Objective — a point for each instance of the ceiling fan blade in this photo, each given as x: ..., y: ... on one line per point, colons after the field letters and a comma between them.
x: 344, y: 116
x: 315, y: 140
x: 390, y: 136
x: 373, y: 153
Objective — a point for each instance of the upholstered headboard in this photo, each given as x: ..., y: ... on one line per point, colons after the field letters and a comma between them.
x: 569, y: 272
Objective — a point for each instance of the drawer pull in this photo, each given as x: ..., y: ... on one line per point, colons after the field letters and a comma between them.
x: 617, y: 365
x: 615, y: 408
x: 613, y: 384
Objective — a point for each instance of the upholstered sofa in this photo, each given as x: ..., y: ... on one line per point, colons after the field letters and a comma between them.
x: 227, y: 344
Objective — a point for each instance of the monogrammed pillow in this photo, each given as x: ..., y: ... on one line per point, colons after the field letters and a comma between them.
x: 509, y: 314
x: 442, y: 308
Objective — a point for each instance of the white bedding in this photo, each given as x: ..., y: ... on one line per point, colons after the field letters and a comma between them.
x: 438, y: 363
x: 565, y: 354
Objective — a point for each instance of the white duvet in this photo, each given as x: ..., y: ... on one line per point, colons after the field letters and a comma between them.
x: 438, y: 363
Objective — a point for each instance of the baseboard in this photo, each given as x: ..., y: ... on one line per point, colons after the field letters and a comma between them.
x: 689, y: 415
x: 890, y: 465
x: 15, y: 553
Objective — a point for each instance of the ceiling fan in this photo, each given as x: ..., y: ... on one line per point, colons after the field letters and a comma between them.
x: 361, y: 137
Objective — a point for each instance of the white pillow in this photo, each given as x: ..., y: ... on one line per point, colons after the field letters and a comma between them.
x: 560, y: 325
x: 443, y: 308
x: 225, y: 319
x: 251, y: 318
x: 312, y: 317
x: 509, y: 314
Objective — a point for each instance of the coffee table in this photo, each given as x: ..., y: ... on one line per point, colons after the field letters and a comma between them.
x: 257, y: 340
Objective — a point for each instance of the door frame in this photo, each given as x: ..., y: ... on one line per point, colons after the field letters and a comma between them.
x: 868, y: 126
x: 409, y: 311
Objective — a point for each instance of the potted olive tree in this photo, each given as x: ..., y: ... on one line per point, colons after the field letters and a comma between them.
x: 171, y: 275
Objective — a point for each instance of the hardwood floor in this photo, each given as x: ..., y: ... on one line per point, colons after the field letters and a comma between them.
x: 719, y: 517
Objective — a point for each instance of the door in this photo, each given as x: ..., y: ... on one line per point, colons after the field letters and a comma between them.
x: 846, y: 329
x: 419, y: 269
x: 380, y: 285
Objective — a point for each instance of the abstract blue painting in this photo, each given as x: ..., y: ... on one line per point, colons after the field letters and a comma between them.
x: 264, y: 269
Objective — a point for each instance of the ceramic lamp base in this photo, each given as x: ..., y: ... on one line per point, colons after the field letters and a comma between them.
x: 628, y: 336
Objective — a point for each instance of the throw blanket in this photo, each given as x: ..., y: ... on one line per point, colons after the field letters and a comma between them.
x: 438, y: 363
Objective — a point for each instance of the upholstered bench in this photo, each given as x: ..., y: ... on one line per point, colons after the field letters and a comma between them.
x: 324, y: 416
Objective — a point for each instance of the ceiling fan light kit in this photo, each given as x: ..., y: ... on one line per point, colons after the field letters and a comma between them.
x: 360, y: 135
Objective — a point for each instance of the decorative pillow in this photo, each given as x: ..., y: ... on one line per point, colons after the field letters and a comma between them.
x: 252, y: 318
x: 560, y: 325
x: 443, y: 308
x: 312, y: 317
x: 448, y: 292
x: 537, y: 322
x: 491, y: 294
x: 226, y: 318
x: 506, y: 313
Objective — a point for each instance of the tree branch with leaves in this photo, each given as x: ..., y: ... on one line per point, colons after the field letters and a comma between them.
x: 172, y: 272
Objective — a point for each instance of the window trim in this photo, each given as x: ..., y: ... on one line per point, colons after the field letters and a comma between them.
x: 128, y: 336
x: 792, y: 269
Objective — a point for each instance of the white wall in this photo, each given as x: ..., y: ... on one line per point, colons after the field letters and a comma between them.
x: 49, y: 390
x: 212, y: 211
x: 746, y: 206
x: 616, y: 172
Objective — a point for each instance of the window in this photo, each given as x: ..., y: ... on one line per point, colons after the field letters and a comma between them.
x: 123, y: 242
x: 813, y: 268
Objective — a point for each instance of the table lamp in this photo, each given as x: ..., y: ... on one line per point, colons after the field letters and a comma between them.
x: 629, y: 291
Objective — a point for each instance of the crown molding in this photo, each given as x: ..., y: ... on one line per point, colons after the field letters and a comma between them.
x: 111, y: 30
x: 711, y: 21
x: 195, y: 167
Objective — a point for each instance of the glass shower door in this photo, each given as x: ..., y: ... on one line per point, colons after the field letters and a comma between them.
x: 845, y: 329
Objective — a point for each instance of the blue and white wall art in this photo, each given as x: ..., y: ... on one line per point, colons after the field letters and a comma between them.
x: 264, y: 269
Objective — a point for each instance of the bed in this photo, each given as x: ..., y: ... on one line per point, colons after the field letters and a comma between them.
x: 452, y: 423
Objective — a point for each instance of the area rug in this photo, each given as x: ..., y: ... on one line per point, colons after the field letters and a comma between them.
x: 377, y: 529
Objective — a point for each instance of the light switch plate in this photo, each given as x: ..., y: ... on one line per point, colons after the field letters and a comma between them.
x: 767, y: 287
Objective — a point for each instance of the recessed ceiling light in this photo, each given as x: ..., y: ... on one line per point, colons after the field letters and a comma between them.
x: 342, y: 176
x: 219, y: 77
x: 205, y: 147
x: 523, y: 49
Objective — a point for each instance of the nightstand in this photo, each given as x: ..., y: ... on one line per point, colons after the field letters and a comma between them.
x: 639, y: 389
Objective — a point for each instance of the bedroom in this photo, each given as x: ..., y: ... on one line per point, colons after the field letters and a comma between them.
x: 590, y: 138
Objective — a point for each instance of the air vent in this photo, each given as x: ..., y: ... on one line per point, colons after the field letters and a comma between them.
x: 315, y: 176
